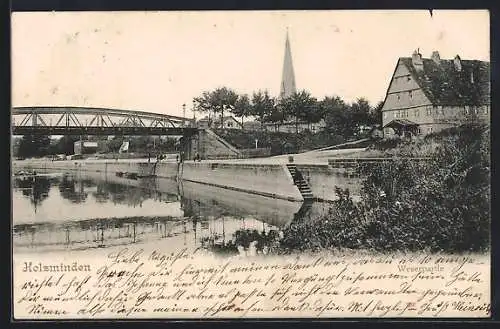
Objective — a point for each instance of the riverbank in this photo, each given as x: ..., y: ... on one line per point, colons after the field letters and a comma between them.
x: 268, y: 177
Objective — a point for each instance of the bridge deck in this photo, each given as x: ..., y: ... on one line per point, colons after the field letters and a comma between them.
x: 133, y: 131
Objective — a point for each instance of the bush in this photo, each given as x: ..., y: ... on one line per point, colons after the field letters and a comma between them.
x: 442, y: 204
x: 279, y: 142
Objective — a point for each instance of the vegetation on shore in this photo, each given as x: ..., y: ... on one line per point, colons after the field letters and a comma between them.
x: 279, y: 142
x: 439, y: 204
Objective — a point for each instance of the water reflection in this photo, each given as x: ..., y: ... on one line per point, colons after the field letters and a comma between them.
x: 85, y: 211
x: 34, y: 188
x: 73, y: 190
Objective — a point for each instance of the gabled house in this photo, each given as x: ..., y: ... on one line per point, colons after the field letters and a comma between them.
x: 426, y: 95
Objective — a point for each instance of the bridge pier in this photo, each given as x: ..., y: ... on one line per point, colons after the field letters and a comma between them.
x: 207, y: 145
x: 189, y: 145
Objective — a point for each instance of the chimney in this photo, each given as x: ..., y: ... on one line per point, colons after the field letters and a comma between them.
x: 416, y: 60
x: 457, y: 63
x: 435, y: 57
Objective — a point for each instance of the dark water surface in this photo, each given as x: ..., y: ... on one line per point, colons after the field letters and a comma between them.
x: 88, y: 210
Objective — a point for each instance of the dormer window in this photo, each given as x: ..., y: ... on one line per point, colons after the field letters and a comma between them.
x: 399, y: 97
x: 408, y: 78
x: 410, y: 93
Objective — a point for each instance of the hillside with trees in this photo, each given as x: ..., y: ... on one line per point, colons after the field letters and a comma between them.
x: 342, y: 121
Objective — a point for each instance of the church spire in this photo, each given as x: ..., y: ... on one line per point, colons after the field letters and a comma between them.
x: 288, y: 78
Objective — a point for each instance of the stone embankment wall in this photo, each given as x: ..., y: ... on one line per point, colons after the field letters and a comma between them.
x: 270, y: 180
x: 267, y: 180
x: 323, y: 179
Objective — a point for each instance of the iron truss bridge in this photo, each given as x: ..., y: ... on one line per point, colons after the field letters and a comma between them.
x: 96, y: 121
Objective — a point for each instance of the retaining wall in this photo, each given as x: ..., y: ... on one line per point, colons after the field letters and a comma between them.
x: 164, y: 170
x: 323, y: 179
x: 270, y: 180
x: 205, y: 200
x: 267, y: 180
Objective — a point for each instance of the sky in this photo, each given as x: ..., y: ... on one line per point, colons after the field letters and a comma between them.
x: 157, y: 61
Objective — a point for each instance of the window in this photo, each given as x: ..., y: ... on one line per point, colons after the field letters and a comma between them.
x: 417, y: 112
x: 410, y: 93
x: 429, y: 110
x: 399, y: 97
x: 408, y: 78
x: 429, y: 130
x: 398, y: 114
x: 485, y: 110
x: 385, y: 115
x: 466, y: 110
x: 438, y: 109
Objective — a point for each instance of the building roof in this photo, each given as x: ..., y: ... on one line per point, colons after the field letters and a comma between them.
x: 400, y: 123
x: 443, y: 84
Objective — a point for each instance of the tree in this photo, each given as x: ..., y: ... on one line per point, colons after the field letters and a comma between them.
x: 360, y: 113
x: 65, y: 145
x: 33, y: 145
x: 242, y: 107
x: 312, y: 113
x: 277, y: 116
x: 300, y: 106
x: 262, y: 106
x: 376, y: 113
x: 217, y: 101
x: 336, y: 114
x: 203, y: 104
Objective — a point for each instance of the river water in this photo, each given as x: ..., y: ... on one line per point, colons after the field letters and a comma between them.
x: 78, y: 211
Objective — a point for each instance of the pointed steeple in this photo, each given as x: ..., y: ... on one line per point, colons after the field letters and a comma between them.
x: 288, y: 78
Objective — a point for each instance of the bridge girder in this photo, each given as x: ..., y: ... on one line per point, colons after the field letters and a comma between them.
x: 72, y: 117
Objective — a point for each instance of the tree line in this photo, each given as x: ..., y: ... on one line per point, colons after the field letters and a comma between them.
x: 339, y: 116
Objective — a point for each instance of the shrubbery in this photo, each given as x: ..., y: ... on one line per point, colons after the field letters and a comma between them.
x: 279, y: 142
x: 439, y: 204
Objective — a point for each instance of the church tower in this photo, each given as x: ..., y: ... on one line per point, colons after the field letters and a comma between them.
x: 288, y: 87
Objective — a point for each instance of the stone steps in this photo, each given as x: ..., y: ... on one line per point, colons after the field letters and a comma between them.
x: 300, y: 182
